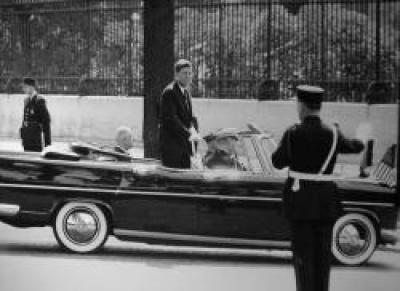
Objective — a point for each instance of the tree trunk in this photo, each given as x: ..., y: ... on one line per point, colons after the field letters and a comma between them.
x: 398, y: 144
x: 158, y: 66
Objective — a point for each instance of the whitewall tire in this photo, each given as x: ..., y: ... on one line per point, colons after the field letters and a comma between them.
x: 81, y: 227
x: 354, y: 239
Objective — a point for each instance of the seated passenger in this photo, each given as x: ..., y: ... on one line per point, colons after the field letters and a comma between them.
x: 124, y: 140
x: 222, y: 151
x: 220, y: 159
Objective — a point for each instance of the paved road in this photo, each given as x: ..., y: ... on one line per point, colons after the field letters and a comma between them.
x: 31, y: 260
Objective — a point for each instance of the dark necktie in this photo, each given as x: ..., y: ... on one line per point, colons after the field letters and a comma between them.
x: 187, y: 102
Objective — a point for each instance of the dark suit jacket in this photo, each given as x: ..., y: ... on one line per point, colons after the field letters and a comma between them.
x: 304, y: 148
x: 176, y: 118
x: 36, y: 112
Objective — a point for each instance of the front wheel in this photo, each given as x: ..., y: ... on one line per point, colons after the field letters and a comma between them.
x: 354, y: 239
x: 81, y: 227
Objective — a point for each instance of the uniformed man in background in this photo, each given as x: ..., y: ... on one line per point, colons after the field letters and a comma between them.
x: 310, y: 149
x: 36, y: 120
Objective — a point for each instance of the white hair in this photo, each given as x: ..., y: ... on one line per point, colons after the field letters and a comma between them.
x: 123, y: 136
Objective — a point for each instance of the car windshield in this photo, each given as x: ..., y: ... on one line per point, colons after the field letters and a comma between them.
x: 232, y: 151
x: 268, y: 147
x: 222, y: 152
x: 250, y: 157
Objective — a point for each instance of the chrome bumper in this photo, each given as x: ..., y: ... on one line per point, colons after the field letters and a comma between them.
x: 9, y: 209
x: 390, y: 236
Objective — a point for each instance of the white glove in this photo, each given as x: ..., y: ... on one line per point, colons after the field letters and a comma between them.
x: 192, y: 130
x: 194, y: 135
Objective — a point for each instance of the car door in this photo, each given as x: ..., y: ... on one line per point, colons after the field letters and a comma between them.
x: 245, y: 206
x: 160, y: 205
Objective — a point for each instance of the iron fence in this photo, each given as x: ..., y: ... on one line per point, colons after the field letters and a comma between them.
x: 240, y: 49
x: 86, y: 47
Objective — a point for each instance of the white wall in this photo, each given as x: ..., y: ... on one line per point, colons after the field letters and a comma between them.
x: 73, y: 117
x: 95, y: 118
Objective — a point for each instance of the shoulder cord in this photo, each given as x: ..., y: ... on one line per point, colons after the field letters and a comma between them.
x: 296, y: 183
x: 331, y: 152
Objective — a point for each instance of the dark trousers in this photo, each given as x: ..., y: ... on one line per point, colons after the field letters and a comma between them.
x: 33, y: 148
x: 311, y: 246
x: 175, y: 161
x: 31, y: 135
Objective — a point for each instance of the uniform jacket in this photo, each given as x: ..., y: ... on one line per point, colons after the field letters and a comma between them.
x: 304, y: 148
x: 35, y: 111
x: 176, y: 118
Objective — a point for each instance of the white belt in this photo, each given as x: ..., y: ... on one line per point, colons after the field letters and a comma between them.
x: 297, y: 176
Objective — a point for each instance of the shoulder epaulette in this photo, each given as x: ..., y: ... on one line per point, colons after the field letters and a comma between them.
x: 293, y: 127
x: 170, y: 86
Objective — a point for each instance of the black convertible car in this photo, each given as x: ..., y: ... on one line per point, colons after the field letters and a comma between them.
x: 89, y: 193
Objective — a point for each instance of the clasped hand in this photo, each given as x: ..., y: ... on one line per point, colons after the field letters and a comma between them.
x: 194, y: 135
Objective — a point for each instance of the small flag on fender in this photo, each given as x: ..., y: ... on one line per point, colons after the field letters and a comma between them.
x: 385, y: 171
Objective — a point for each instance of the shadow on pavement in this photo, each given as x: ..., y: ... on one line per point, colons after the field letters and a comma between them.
x: 392, y: 249
x: 161, y: 256
x: 370, y: 266
x: 153, y: 255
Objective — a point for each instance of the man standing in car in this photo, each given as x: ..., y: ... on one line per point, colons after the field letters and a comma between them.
x: 310, y: 149
x: 178, y: 125
x: 36, y: 120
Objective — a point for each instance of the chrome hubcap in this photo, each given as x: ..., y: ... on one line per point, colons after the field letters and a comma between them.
x: 353, y: 239
x: 81, y: 226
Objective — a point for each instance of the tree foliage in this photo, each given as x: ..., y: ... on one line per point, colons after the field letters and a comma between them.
x: 234, y: 45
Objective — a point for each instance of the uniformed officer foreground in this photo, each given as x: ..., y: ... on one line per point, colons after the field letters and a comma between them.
x: 310, y: 149
x: 178, y: 125
x: 36, y: 120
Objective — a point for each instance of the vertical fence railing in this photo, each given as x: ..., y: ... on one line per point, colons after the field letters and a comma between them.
x: 240, y: 49
x: 377, y: 40
x: 78, y: 47
x: 276, y: 44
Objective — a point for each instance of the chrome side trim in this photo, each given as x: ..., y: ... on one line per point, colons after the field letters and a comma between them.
x: 142, y: 193
x: 9, y: 209
x: 205, y: 196
x: 362, y: 203
x: 31, y: 212
x: 172, y: 194
x: 200, y: 238
x: 63, y: 188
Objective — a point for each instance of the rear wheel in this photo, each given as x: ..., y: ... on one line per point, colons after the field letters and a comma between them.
x: 81, y: 227
x: 354, y: 239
